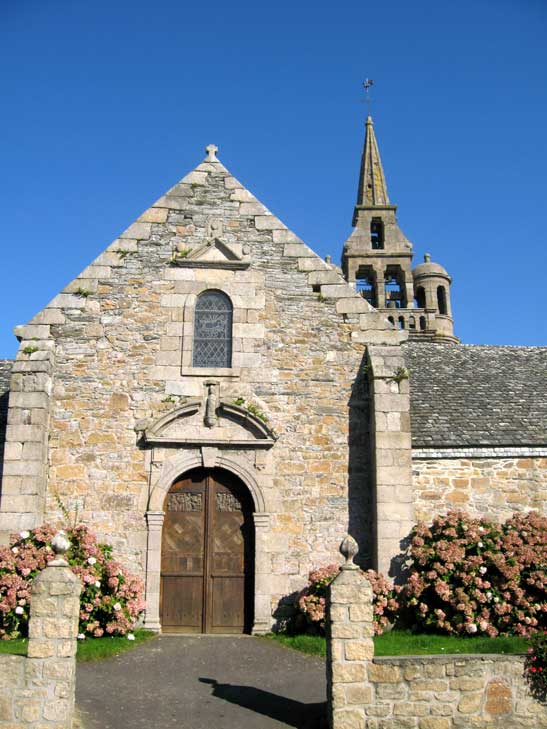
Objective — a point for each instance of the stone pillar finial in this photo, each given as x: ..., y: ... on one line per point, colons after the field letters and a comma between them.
x: 427, y: 257
x: 60, y: 545
x: 349, y: 549
x: 211, y: 150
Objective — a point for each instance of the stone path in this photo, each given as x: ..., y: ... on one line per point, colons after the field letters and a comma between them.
x: 203, y: 682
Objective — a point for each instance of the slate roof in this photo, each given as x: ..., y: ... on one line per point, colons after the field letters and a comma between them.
x: 5, y: 374
x: 473, y: 395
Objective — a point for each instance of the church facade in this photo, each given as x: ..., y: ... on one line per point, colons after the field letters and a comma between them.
x: 223, y: 406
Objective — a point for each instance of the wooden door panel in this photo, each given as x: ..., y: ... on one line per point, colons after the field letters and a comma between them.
x: 183, y: 556
x: 182, y: 599
x: 227, y: 556
x: 228, y: 547
x: 183, y: 544
x: 228, y: 604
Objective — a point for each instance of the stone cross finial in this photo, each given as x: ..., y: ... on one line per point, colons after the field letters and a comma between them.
x: 60, y: 545
x: 349, y: 549
x: 211, y: 150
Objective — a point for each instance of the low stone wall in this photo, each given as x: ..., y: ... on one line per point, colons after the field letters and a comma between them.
x: 440, y: 692
x: 425, y: 692
x: 38, y: 690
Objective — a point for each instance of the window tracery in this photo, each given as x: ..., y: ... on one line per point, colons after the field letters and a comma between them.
x: 213, y: 330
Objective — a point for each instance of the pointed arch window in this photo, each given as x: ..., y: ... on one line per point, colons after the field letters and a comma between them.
x: 213, y: 330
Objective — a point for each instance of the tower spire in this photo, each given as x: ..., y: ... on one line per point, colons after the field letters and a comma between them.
x: 372, y: 182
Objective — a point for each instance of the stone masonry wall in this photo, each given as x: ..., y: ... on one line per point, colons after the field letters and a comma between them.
x: 451, y: 692
x: 414, y: 692
x: 493, y: 488
x: 37, y: 691
x: 120, y: 336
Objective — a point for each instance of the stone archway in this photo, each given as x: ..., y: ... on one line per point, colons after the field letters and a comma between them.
x: 173, y: 469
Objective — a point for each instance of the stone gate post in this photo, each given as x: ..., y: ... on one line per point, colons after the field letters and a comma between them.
x: 53, y: 630
x: 350, y: 647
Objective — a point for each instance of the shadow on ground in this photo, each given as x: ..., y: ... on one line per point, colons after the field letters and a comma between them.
x: 287, y: 711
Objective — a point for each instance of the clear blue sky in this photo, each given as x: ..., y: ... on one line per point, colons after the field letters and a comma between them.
x: 108, y: 103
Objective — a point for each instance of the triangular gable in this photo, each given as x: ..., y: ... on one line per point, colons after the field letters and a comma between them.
x: 211, y: 242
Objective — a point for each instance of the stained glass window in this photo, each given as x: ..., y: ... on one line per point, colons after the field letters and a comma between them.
x: 213, y: 330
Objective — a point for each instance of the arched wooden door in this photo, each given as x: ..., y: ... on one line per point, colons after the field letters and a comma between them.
x: 207, y: 560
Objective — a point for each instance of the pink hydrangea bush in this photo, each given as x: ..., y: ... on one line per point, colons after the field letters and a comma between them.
x: 385, y: 600
x: 111, y: 598
x: 470, y: 576
x: 311, y: 601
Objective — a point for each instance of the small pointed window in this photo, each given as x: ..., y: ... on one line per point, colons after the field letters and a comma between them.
x: 213, y: 330
x: 377, y: 234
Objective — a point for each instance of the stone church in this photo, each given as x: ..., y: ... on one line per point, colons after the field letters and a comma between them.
x: 223, y: 406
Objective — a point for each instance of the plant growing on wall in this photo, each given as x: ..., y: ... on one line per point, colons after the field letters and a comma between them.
x: 250, y: 407
x: 178, y: 255
x: 111, y: 598
x: 402, y: 373
x: 123, y: 252
x: 83, y: 293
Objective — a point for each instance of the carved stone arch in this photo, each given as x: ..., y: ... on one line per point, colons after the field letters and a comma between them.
x: 158, y: 425
x: 255, y: 431
x: 248, y: 478
x: 185, y: 462
x: 171, y: 469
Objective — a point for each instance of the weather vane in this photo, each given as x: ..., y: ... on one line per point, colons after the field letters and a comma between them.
x: 367, y: 83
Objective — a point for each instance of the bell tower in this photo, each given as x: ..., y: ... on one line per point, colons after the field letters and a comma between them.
x: 377, y: 258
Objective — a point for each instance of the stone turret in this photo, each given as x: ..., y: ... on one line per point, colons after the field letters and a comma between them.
x: 377, y: 258
x: 432, y: 293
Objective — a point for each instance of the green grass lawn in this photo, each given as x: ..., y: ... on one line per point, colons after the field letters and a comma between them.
x: 90, y: 649
x: 405, y: 643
